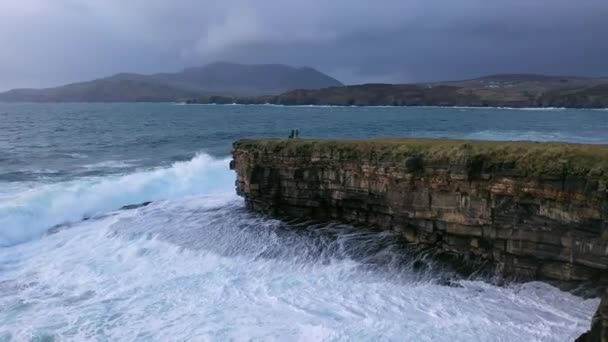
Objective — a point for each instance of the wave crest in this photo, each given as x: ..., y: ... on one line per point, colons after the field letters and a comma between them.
x: 28, y: 214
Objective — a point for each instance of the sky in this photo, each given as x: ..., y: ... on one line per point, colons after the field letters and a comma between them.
x: 51, y: 42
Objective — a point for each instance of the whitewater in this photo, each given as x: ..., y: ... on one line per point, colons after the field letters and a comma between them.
x: 30, y: 213
x: 194, y: 264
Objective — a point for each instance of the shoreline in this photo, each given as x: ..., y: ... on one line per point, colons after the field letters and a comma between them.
x: 174, y: 103
x: 386, y: 106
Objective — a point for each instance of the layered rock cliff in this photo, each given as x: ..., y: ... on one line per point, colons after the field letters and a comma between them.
x: 533, y: 210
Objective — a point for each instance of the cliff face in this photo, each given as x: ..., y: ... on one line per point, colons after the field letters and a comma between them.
x: 599, y: 324
x: 533, y: 210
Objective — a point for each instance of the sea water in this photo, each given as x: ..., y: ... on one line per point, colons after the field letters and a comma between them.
x: 196, y: 265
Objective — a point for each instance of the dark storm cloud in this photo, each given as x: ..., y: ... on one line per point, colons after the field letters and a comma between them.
x: 51, y: 42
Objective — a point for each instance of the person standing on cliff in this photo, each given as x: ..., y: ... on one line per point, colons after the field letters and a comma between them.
x: 297, y: 134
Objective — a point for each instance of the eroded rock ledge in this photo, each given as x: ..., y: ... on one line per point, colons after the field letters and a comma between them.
x: 534, y: 210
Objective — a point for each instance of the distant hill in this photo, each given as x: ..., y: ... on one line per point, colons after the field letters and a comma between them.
x: 505, y: 90
x: 228, y: 79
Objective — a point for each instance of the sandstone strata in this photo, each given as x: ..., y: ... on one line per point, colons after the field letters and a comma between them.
x: 533, y: 210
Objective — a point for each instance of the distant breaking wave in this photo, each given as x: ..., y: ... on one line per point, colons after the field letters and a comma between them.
x: 384, y: 106
x: 497, y: 135
x: 29, y: 213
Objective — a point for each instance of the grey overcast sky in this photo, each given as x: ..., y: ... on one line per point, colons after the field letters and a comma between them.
x: 51, y: 42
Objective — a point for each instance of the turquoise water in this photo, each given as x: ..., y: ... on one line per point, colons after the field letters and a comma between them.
x: 195, y: 265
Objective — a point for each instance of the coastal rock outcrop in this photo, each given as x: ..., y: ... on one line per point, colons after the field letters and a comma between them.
x: 536, y: 210
x: 532, y: 210
x: 599, y: 324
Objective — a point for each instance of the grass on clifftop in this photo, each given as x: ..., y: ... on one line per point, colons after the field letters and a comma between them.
x: 526, y: 158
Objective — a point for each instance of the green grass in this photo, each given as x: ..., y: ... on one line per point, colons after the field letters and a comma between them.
x: 531, y: 159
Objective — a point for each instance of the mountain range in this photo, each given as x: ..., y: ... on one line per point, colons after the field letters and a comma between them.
x: 285, y: 85
x: 228, y: 79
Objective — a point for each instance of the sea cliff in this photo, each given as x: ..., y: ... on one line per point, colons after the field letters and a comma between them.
x: 599, y: 324
x: 531, y: 210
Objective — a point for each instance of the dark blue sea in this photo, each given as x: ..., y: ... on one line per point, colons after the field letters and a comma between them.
x: 195, y: 265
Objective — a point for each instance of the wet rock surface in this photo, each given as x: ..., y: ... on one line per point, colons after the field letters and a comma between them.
x: 599, y: 324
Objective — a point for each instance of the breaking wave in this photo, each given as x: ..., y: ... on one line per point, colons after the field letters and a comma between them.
x: 29, y: 213
x: 503, y: 135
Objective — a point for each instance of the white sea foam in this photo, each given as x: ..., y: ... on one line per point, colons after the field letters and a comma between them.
x: 111, y: 164
x: 502, y: 135
x: 387, y: 106
x: 111, y: 279
x: 29, y: 213
x: 40, y: 171
x: 541, y: 108
x: 77, y: 155
x: 508, y: 108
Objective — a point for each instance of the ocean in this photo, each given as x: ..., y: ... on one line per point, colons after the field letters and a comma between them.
x: 195, y: 265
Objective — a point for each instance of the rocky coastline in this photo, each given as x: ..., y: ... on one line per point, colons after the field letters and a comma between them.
x: 531, y: 210
x: 512, y: 91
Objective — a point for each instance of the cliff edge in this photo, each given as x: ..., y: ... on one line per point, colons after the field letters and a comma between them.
x: 532, y: 210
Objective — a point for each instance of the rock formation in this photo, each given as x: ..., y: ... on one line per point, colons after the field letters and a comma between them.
x: 599, y: 324
x: 532, y: 210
